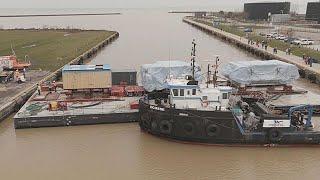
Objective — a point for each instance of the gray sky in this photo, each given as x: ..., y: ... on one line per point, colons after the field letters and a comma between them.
x: 300, y: 5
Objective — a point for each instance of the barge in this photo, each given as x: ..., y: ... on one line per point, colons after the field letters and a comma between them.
x: 85, y: 97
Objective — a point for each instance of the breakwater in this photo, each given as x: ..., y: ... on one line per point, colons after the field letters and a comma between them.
x: 311, y: 73
x: 16, y: 102
x: 53, y: 15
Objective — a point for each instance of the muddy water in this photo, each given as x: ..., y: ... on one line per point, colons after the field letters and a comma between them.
x: 121, y: 151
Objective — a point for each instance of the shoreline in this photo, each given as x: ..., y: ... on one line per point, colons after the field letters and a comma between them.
x: 17, y: 101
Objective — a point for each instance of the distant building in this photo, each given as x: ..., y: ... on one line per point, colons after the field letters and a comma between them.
x: 200, y: 14
x: 261, y: 11
x: 313, y: 11
x: 280, y: 18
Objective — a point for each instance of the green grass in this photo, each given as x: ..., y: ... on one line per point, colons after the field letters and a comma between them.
x: 49, y: 49
x: 280, y: 45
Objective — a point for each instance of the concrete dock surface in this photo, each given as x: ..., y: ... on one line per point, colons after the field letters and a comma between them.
x: 12, y: 88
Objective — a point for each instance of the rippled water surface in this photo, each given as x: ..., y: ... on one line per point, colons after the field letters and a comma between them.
x: 122, y: 151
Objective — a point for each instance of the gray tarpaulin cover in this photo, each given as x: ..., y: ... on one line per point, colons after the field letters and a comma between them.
x: 154, y: 76
x: 271, y: 72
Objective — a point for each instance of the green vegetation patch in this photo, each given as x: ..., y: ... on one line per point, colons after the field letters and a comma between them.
x: 49, y: 49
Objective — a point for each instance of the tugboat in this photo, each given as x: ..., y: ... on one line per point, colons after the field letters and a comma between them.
x: 212, y: 113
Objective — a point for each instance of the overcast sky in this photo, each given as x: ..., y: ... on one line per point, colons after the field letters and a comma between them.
x: 300, y: 5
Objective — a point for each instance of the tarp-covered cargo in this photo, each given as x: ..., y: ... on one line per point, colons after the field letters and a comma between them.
x: 154, y: 76
x: 272, y: 72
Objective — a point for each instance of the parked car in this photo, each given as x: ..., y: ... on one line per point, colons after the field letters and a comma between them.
x: 290, y: 40
x: 280, y: 37
x: 307, y: 42
x: 303, y: 42
x: 247, y: 30
x: 272, y: 35
x: 297, y: 42
x: 262, y: 34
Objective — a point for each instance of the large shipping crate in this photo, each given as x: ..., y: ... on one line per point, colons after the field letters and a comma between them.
x: 86, y: 77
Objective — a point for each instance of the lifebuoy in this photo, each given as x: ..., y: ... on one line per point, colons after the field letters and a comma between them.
x: 165, y: 127
x: 189, y: 128
x: 274, y: 135
x: 212, y: 130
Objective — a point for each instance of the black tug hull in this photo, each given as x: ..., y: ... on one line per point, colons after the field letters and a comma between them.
x: 214, y: 127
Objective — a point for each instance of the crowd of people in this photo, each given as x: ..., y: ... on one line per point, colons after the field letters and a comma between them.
x: 308, y: 60
x: 263, y: 44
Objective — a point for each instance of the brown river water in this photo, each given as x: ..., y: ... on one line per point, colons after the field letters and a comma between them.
x: 122, y: 151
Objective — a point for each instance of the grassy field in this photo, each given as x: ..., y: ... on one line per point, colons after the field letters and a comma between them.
x: 49, y: 49
x: 296, y: 50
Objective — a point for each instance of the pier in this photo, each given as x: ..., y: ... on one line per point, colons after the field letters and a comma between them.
x: 15, y: 103
x: 311, y: 73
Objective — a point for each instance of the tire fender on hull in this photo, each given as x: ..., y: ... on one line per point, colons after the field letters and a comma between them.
x: 189, y: 128
x: 165, y: 127
x: 212, y: 130
x: 275, y: 135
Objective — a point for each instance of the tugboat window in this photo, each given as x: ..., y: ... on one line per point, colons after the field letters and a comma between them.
x: 194, y: 91
x: 188, y: 92
x: 175, y: 92
x: 181, y: 92
x: 224, y: 95
x: 204, y: 98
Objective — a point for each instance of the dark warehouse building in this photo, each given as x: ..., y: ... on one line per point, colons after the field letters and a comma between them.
x: 260, y: 11
x: 313, y: 11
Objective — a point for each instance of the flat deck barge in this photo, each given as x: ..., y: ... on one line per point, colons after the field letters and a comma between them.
x: 53, y: 109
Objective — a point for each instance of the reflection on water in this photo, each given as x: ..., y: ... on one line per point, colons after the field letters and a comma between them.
x: 122, y: 151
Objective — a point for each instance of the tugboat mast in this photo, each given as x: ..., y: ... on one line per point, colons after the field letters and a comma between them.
x: 215, y: 74
x: 193, y: 58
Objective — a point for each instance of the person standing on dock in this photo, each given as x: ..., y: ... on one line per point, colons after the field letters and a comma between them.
x: 310, y: 61
x: 24, y: 72
x: 275, y: 50
x: 54, y: 84
x: 39, y: 89
x: 289, y: 51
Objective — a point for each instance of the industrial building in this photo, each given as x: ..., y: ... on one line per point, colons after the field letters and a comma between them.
x: 200, y: 14
x: 313, y: 11
x: 280, y: 18
x: 261, y: 11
